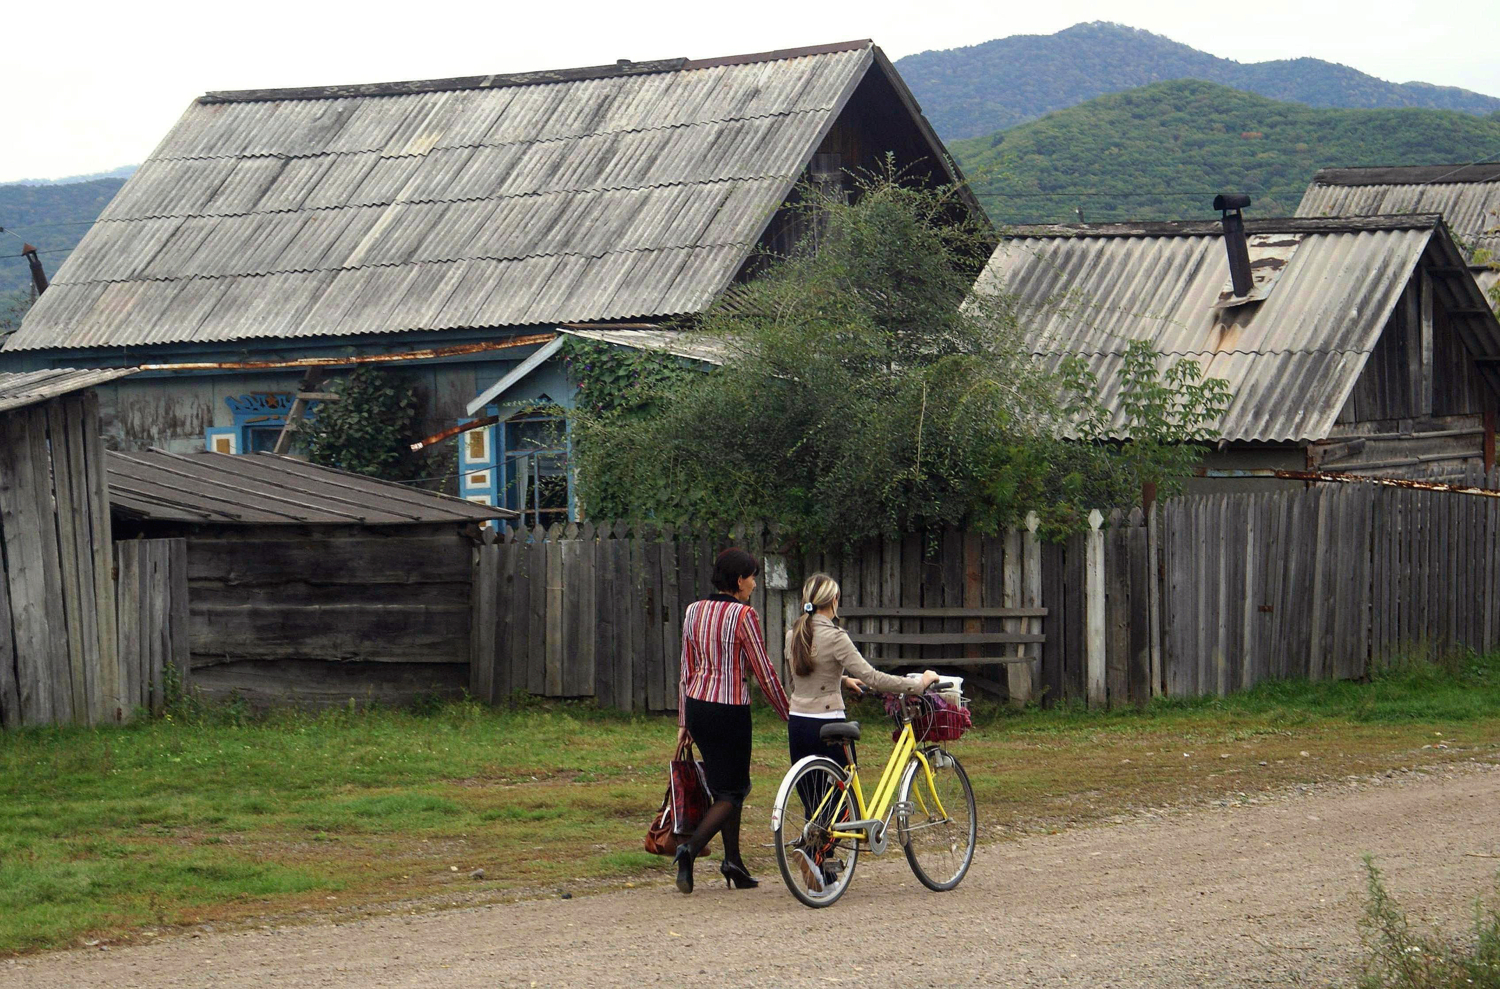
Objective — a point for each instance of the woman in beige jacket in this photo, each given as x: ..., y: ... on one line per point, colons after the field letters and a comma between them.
x: 823, y: 659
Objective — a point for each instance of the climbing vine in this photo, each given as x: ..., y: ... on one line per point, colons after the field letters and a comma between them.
x: 612, y: 379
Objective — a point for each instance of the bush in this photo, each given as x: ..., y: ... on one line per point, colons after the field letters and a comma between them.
x: 866, y: 389
x: 1403, y: 958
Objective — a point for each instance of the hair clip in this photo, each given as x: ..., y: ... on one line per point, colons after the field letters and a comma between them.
x: 808, y: 607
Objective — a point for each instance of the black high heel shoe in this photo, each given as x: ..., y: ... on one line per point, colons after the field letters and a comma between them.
x: 684, y: 860
x: 737, y: 877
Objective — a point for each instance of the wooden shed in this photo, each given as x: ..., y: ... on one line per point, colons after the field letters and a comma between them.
x: 58, y: 658
x: 309, y: 585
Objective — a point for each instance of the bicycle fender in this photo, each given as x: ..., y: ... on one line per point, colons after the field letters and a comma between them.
x: 779, y: 805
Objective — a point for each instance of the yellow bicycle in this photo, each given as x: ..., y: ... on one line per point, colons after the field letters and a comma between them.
x: 822, y: 820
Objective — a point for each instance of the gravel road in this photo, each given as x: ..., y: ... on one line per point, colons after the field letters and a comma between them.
x: 1240, y: 895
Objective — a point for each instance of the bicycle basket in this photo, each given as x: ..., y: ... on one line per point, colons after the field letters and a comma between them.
x: 934, y: 718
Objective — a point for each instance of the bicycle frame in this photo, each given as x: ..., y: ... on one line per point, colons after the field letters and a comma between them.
x: 878, y: 810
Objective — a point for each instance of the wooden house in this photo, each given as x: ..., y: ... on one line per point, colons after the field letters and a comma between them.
x: 1363, y: 344
x: 308, y: 585
x: 1467, y: 196
x: 59, y: 662
x: 465, y: 223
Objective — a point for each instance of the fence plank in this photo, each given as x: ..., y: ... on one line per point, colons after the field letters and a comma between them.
x: 66, y: 506
x: 10, y: 691
x: 1094, y: 608
x: 639, y: 615
x: 483, y: 658
x: 1154, y: 573
x: 1117, y: 610
x: 536, y: 632
x: 656, y: 686
x: 102, y: 546
x: 179, y: 654
x: 671, y: 611
x: 1017, y: 675
x: 1139, y: 578
x: 78, y: 427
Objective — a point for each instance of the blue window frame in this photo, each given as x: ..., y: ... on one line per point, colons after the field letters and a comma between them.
x: 521, y: 463
x: 258, y: 421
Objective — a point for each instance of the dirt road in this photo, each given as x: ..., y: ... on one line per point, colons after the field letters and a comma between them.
x: 1242, y: 895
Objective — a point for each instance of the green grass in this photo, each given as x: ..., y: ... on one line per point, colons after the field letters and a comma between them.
x: 214, y: 816
x: 1399, y: 955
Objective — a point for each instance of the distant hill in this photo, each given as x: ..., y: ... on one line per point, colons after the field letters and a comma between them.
x: 52, y: 217
x: 123, y: 172
x: 1163, y: 151
x: 966, y: 92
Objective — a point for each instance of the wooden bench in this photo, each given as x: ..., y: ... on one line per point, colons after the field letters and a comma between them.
x: 966, y: 639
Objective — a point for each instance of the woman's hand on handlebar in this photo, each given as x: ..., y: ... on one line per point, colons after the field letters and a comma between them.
x: 855, y: 685
x: 928, y: 679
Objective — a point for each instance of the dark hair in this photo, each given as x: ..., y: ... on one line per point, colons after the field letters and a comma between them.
x: 731, y: 565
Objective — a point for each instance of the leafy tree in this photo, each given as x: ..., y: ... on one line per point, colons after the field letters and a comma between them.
x: 369, y: 429
x: 986, y: 87
x: 866, y: 389
x: 13, y: 309
x: 1162, y: 151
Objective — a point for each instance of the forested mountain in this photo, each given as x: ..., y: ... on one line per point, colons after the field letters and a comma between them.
x: 1163, y: 151
x: 52, y: 217
x: 984, y: 88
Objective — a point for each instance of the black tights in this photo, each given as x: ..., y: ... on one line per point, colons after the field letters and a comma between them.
x: 722, y: 818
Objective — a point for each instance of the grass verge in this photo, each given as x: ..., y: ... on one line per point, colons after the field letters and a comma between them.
x: 212, y: 816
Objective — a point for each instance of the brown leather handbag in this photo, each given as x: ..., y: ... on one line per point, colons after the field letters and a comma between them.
x: 683, y: 805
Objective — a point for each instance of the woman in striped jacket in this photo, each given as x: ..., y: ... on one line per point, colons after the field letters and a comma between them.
x: 721, y: 636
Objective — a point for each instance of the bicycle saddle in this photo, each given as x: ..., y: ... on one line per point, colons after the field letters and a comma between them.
x: 840, y: 731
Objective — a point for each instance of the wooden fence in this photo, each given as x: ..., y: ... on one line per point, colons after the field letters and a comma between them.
x: 1203, y: 595
x: 151, y: 595
x: 329, y: 615
x: 1322, y: 583
x: 597, y: 611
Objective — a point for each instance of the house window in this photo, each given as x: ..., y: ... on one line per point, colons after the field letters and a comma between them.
x: 535, y: 469
x: 258, y: 420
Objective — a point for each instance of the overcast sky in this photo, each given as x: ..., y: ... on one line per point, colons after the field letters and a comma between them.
x: 92, y: 86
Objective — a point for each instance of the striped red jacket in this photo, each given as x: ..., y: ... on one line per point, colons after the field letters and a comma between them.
x: 719, y: 636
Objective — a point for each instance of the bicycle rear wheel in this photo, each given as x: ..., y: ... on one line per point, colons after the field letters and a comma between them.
x: 936, y: 822
x: 814, y: 799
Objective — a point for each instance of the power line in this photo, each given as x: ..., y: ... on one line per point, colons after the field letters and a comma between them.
x: 1460, y: 168
x: 53, y: 223
x: 59, y: 250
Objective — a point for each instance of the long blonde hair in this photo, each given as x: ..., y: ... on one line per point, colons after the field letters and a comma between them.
x: 818, y: 591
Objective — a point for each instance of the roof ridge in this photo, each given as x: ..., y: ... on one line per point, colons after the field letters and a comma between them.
x: 1214, y: 228
x: 398, y: 264
x: 1408, y: 175
x: 622, y: 67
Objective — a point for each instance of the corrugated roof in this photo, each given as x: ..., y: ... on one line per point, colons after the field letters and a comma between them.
x: 692, y: 346
x: 1291, y: 360
x: 29, y: 387
x: 262, y: 488
x: 1468, y: 197
x: 577, y: 196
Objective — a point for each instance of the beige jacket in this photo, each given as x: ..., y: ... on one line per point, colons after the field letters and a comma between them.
x: 820, y: 692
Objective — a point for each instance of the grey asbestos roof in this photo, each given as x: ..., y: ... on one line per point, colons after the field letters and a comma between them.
x: 1290, y: 360
x: 574, y: 196
x: 29, y: 387
x: 1468, y: 197
x: 262, y: 488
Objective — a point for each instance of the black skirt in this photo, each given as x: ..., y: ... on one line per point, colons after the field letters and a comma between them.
x: 722, y: 734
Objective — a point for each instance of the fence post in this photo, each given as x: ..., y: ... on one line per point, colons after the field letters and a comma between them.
x: 1093, y: 609
x: 1153, y: 598
x: 1031, y: 597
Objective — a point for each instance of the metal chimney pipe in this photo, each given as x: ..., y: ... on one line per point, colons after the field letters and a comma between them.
x: 1235, y: 244
x: 38, y: 276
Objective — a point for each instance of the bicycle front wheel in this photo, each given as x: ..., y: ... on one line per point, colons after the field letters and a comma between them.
x: 936, y: 821
x: 814, y: 800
